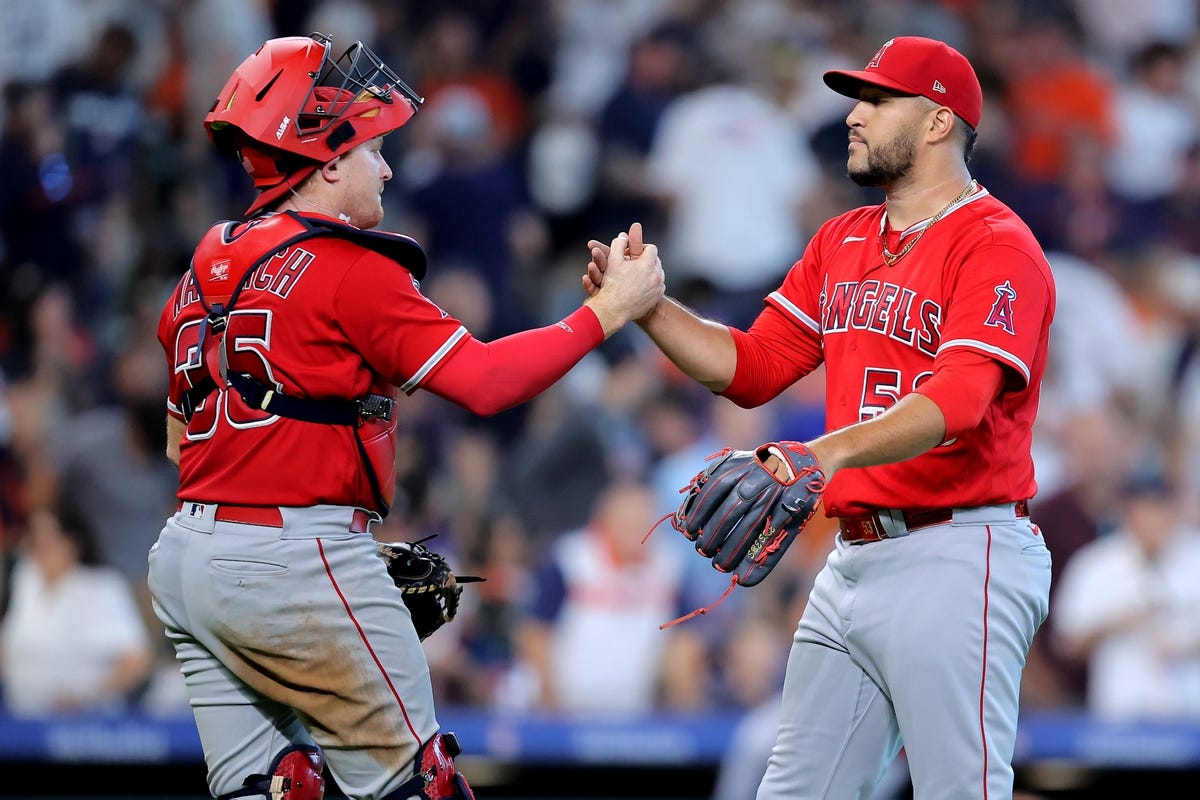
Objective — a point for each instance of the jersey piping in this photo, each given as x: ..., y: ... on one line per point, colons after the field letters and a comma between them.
x: 412, y: 383
x: 991, y: 350
x: 794, y: 310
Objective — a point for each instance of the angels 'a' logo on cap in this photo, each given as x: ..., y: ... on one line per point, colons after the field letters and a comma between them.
x: 874, y: 62
x: 1001, y: 315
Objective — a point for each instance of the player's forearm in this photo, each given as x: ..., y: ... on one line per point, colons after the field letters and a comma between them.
x: 489, y: 377
x: 701, y: 348
x: 913, y: 426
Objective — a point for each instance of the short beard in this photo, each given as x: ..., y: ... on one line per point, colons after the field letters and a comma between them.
x: 889, y: 163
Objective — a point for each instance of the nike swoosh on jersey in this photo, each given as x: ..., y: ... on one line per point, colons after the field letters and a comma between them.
x: 854, y: 239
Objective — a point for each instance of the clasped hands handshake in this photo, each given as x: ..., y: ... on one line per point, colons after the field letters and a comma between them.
x: 624, y: 280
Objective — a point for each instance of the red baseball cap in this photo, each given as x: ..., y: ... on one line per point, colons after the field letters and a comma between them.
x: 918, y: 66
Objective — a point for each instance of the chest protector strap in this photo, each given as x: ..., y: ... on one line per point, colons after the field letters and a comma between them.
x: 254, y: 391
x: 257, y: 393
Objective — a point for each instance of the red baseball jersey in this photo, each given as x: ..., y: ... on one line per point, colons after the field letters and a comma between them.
x: 977, y: 279
x: 323, y: 319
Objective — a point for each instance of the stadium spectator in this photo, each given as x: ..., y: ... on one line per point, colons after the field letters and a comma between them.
x: 72, y: 638
x: 37, y: 204
x: 1129, y: 605
x: 1098, y: 347
x: 591, y: 641
x: 1116, y: 29
x: 1056, y: 97
x: 1081, y: 508
x: 107, y: 460
x: 729, y: 157
x: 1145, y: 164
x: 661, y: 66
x: 467, y: 199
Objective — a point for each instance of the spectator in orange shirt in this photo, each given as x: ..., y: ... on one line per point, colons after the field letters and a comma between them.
x: 453, y: 60
x: 1054, y: 96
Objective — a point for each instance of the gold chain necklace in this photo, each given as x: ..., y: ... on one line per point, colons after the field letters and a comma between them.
x: 891, y: 258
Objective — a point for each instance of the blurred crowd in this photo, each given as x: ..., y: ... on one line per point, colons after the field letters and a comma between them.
x: 546, y: 123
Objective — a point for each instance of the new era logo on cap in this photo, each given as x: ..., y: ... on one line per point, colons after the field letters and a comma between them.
x: 918, y: 66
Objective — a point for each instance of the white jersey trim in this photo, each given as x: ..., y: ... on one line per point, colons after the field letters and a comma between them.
x: 795, y: 311
x: 990, y: 349
x: 412, y: 383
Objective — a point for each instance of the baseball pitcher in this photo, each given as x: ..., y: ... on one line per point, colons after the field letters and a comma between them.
x: 931, y: 313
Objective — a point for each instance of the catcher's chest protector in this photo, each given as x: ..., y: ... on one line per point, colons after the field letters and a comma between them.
x: 262, y: 255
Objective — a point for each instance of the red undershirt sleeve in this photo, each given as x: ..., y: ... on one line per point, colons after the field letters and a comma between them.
x: 489, y: 377
x: 771, y: 356
x: 963, y: 386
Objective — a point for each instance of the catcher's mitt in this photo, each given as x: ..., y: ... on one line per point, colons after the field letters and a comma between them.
x: 742, y: 516
x: 430, y: 588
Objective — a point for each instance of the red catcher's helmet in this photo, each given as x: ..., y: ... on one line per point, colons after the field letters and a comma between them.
x: 289, y: 108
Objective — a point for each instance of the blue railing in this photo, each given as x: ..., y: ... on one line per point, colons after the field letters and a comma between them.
x: 698, y: 740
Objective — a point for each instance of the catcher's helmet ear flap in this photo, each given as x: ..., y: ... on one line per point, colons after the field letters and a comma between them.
x: 290, y: 107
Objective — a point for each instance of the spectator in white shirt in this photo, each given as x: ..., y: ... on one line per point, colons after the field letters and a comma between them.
x: 590, y: 642
x: 72, y: 638
x: 730, y: 158
x: 1146, y: 162
x: 1129, y: 604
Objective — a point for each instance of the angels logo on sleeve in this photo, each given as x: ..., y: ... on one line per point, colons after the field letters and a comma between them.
x: 1001, y: 315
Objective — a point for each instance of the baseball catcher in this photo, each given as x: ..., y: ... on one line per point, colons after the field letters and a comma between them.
x: 430, y: 588
x: 288, y: 342
x: 746, y: 507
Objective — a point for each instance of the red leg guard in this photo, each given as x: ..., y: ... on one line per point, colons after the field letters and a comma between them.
x: 436, y: 776
x: 295, y: 774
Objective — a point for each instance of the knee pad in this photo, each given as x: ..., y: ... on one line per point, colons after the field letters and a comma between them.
x: 295, y: 774
x: 435, y: 776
